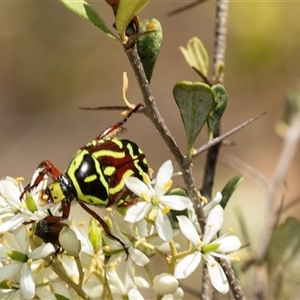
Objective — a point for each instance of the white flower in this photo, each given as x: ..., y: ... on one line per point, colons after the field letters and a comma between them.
x: 207, y: 248
x: 21, y: 211
x: 211, y: 204
x: 21, y: 260
x: 118, y: 251
x: 155, y: 204
x: 128, y: 289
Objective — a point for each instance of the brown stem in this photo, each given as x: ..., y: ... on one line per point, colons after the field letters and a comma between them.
x: 232, y: 281
x: 154, y: 115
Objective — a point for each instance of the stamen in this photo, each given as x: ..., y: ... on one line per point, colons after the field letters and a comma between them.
x: 146, y: 178
x: 18, y: 179
x: 203, y: 199
x: 29, y: 262
x: 107, y: 248
x: 231, y: 230
x: 145, y: 196
x: 22, y: 205
x: 168, y: 185
x: 166, y: 210
x: 152, y: 214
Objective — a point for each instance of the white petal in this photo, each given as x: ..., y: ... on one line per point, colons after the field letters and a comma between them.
x: 175, y: 202
x: 13, y: 223
x: 42, y: 251
x: 46, y: 294
x: 137, y: 212
x: 11, y: 191
x: 134, y: 294
x: 187, y: 265
x: 27, y: 284
x: 3, y: 255
x: 136, y: 186
x: 163, y: 226
x: 164, y: 174
x: 9, y: 270
x: 217, y: 275
x: 116, y: 285
x: 213, y: 223
x: 217, y: 199
x: 59, y: 288
x: 188, y: 230
x: 138, y: 257
x: 141, y: 282
x: 228, y: 244
x: 178, y: 295
x: 21, y: 239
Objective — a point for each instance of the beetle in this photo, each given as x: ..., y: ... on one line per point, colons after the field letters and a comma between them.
x: 95, y: 175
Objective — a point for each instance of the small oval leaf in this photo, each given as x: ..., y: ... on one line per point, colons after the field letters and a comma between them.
x: 229, y: 188
x: 219, y: 107
x: 126, y: 11
x: 195, y: 100
x: 196, y: 55
x: 148, y: 45
x: 85, y: 11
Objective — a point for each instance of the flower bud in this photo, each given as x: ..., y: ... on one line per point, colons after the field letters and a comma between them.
x: 165, y: 284
x: 69, y: 241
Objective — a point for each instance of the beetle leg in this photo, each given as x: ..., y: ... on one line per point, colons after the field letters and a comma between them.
x: 114, y: 129
x: 45, y: 168
x: 104, y: 226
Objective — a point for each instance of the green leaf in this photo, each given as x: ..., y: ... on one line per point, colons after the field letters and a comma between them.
x: 148, y: 45
x: 229, y: 188
x: 195, y: 100
x: 172, y: 215
x: 196, y: 55
x: 219, y: 107
x: 126, y: 11
x: 283, y: 259
x: 85, y: 11
x: 60, y: 297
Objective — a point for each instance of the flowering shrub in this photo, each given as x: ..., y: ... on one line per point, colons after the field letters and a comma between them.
x: 146, y: 231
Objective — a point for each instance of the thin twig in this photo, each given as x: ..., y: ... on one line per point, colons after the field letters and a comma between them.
x: 207, y: 291
x: 232, y: 281
x: 219, y: 57
x: 212, y: 155
x: 186, y: 7
x: 153, y: 113
x: 220, y: 138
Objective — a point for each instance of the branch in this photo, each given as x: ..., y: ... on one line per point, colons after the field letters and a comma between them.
x: 186, y: 7
x: 220, y: 138
x: 232, y: 281
x: 153, y: 114
x: 219, y: 57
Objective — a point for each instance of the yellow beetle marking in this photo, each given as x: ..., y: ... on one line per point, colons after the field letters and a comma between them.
x: 108, y: 171
x: 90, y: 178
x: 121, y: 184
x: 109, y: 153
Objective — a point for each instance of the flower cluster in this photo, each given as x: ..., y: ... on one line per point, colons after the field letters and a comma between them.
x: 87, y: 261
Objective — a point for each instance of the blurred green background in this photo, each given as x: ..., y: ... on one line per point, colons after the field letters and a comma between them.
x: 52, y: 62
